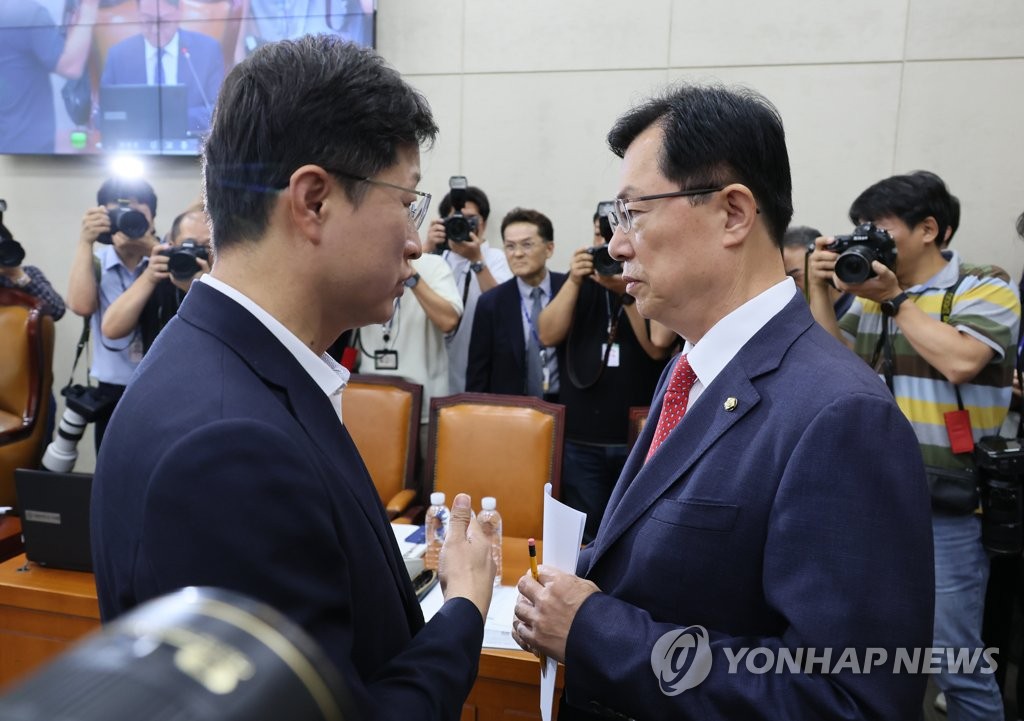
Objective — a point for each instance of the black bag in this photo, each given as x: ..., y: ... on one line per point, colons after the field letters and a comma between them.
x: 954, y: 492
x: 77, y: 94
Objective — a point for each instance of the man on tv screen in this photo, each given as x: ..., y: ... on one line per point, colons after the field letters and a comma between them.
x: 164, y: 55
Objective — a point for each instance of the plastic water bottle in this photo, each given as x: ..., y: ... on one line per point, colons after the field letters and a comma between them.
x: 436, y: 524
x: 490, y: 521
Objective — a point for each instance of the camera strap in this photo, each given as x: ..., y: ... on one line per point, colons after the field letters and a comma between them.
x: 83, y: 341
x: 613, y: 329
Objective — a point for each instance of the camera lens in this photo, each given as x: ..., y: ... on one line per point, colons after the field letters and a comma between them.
x: 182, y: 265
x: 456, y: 228
x: 11, y: 253
x: 854, y: 266
x: 604, y: 264
x: 131, y: 222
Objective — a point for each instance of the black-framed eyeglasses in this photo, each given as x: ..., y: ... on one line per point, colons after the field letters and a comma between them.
x: 620, y: 218
x: 417, y: 209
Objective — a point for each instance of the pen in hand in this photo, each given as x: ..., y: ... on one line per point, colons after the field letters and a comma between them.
x: 536, y: 577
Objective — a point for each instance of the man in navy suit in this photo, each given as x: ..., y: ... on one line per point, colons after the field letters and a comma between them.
x: 774, y: 508
x: 226, y: 462
x: 505, y: 326
x: 163, y: 54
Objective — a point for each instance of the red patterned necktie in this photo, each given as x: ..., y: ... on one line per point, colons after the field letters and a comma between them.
x: 674, y: 404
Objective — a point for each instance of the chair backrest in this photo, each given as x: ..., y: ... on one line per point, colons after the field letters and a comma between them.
x: 637, y: 420
x: 26, y: 377
x: 382, y: 414
x: 498, y: 445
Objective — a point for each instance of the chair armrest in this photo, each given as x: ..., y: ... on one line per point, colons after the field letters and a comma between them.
x: 401, y: 501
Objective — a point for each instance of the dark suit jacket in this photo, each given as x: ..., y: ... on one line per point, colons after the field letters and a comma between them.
x: 126, y: 65
x: 497, y: 350
x: 799, y: 519
x: 225, y: 465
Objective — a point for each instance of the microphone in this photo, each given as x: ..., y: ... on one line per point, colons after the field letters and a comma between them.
x: 195, y: 76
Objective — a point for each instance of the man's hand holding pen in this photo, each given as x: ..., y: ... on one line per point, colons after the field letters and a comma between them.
x: 546, y: 609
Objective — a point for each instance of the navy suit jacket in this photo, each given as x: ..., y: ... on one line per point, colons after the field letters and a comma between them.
x: 225, y: 465
x: 789, y: 509
x: 497, y: 349
x: 126, y: 65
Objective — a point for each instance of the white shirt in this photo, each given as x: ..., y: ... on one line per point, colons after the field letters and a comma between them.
x: 170, y: 57
x: 325, y: 372
x: 530, y: 325
x: 725, y: 339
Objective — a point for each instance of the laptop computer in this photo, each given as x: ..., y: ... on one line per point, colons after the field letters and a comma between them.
x: 54, y: 510
x: 142, y: 117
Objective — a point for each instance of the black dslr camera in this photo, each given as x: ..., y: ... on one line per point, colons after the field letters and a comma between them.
x: 457, y: 227
x: 86, y: 401
x: 856, y: 251
x: 181, y: 260
x: 124, y: 219
x: 11, y: 252
x: 604, y: 264
x: 1000, y: 464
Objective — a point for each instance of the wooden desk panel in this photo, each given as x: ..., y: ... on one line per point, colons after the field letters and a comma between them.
x: 43, y: 611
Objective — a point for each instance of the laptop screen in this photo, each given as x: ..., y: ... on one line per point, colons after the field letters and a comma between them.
x: 54, y: 510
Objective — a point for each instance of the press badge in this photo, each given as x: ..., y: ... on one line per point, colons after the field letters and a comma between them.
x: 135, y: 349
x: 613, y: 356
x: 958, y: 428
x: 385, y: 360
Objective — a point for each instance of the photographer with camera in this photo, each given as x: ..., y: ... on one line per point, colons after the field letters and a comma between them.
x: 459, y: 235
x: 941, y: 333
x: 26, y: 278
x: 153, y: 299
x: 611, y: 363
x: 113, y: 251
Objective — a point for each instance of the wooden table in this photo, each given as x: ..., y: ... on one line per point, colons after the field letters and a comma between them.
x: 43, y: 611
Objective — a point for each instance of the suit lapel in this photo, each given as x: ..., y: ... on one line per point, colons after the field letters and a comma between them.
x: 642, y: 484
x: 215, y: 313
x: 512, y: 309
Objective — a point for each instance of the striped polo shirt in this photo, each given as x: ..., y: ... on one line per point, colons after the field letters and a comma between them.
x: 986, y: 307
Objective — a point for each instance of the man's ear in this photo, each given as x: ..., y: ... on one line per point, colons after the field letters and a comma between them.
x: 307, y: 190
x: 740, y: 213
x: 929, y: 228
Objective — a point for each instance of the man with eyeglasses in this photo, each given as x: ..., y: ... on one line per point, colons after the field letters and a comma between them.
x: 774, y: 506
x: 506, y: 354
x: 612, y: 361
x: 227, y: 463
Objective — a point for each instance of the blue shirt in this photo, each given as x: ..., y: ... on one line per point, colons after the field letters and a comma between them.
x: 530, y: 326
x: 114, y: 361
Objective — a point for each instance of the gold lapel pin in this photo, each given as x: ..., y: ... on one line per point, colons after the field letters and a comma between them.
x: 730, y: 404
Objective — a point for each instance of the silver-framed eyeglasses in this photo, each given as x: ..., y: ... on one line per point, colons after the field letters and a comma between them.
x: 417, y: 209
x: 621, y: 219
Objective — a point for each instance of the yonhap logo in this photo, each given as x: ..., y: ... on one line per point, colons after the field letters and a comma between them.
x: 681, y: 659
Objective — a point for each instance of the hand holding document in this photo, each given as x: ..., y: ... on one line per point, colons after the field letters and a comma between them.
x: 563, y: 534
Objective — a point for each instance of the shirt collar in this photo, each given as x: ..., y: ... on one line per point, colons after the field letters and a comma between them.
x: 171, y: 48
x: 325, y: 372
x: 726, y: 337
x: 525, y: 289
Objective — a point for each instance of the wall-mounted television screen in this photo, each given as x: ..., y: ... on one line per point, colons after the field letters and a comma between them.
x: 141, y: 76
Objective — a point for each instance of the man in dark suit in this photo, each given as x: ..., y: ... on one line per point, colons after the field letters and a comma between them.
x: 505, y: 352
x: 163, y: 54
x: 774, y: 509
x: 226, y: 462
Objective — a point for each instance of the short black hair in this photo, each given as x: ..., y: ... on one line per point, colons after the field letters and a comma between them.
x: 525, y: 215
x: 716, y: 135
x: 314, y: 100
x: 176, y: 225
x: 473, y: 195
x: 1020, y: 225
x: 800, y: 236
x: 137, y: 189
x: 912, y: 198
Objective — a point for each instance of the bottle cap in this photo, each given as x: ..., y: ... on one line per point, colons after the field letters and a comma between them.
x: 488, y: 503
x: 437, y: 498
